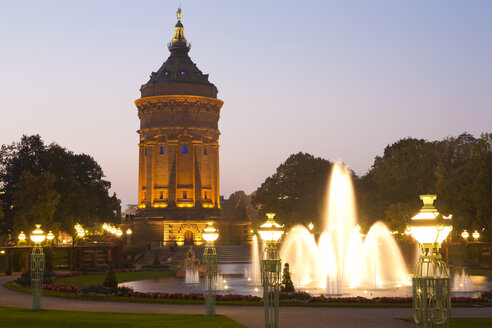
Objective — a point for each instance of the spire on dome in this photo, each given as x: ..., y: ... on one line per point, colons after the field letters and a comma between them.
x: 179, y: 40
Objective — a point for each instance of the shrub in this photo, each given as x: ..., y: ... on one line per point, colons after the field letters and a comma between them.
x: 110, y: 280
x: 105, y: 291
x: 25, y: 278
x: 487, y: 295
x: 156, y: 259
x: 299, y: 296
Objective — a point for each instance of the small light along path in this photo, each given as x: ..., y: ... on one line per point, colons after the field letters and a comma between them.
x: 249, y: 316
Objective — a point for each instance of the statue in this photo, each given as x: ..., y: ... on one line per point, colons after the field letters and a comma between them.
x: 190, y: 262
x: 178, y: 14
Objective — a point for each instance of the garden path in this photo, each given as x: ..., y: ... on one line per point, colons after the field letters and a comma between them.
x: 249, y: 316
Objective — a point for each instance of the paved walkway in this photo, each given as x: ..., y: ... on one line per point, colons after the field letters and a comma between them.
x: 249, y: 316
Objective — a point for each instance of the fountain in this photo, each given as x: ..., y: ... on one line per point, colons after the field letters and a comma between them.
x: 192, y: 276
x: 221, y: 283
x: 253, y: 272
x: 341, y: 258
x: 462, y: 282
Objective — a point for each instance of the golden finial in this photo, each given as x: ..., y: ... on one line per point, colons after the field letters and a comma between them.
x: 178, y: 14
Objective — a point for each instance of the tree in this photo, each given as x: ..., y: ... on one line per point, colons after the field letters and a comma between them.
x: 35, y: 201
x: 465, y: 181
x: 28, y: 155
x: 79, y: 180
x: 395, y: 216
x: 406, y: 169
x: 296, y: 191
x: 110, y: 280
x: 457, y: 169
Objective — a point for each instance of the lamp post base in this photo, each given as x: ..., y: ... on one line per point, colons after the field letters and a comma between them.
x: 431, y: 302
x: 37, y: 273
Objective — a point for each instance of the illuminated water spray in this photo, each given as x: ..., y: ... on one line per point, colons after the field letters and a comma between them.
x: 341, y: 258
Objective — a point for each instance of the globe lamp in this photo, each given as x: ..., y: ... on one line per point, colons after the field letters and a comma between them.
x: 271, y: 231
x: 429, y: 227
x: 22, y: 236
x: 38, y: 236
x: 210, y: 234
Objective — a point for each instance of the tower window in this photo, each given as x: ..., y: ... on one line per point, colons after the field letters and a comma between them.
x: 162, y: 150
x: 145, y: 151
x: 205, y: 195
x: 182, y: 73
x: 185, y: 195
x: 144, y: 196
x: 198, y: 74
x: 185, y: 149
x: 205, y: 151
x: 161, y: 195
x: 166, y: 73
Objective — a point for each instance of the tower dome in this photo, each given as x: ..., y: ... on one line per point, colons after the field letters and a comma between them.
x: 178, y: 74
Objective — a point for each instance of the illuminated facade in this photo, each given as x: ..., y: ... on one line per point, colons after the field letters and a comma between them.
x: 178, y: 182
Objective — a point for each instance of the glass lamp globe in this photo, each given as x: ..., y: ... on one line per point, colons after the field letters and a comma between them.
x: 50, y: 236
x: 129, y: 232
x: 428, y: 226
x: 465, y: 234
x: 22, y: 236
x: 38, y: 236
x: 271, y: 231
x: 118, y: 232
x: 210, y: 234
x: 81, y: 233
x: 476, y: 235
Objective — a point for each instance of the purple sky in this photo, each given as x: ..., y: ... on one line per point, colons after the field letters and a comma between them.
x: 337, y: 79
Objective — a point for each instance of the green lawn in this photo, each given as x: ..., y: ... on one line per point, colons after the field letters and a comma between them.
x: 98, y: 279
x: 16, y: 317
x: 467, y: 322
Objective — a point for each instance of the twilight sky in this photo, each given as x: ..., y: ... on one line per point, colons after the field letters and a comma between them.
x: 338, y: 79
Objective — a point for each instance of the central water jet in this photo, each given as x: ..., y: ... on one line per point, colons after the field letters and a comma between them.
x: 341, y: 258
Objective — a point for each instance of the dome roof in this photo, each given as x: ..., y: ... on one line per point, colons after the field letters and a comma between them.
x: 178, y: 75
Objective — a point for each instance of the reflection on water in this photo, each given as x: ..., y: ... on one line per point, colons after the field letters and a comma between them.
x: 237, y: 284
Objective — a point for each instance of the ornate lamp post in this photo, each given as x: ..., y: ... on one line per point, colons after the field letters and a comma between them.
x: 50, y: 236
x: 21, y: 237
x: 475, y: 235
x: 210, y: 235
x: 270, y: 233
x: 129, y: 233
x: 431, y: 283
x: 37, y: 267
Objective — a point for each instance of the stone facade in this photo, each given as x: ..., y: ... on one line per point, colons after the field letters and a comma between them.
x: 178, y: 188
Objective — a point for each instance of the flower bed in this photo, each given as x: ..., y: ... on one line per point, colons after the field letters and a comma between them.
x: 251, y: 298
x: 84, y: 273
